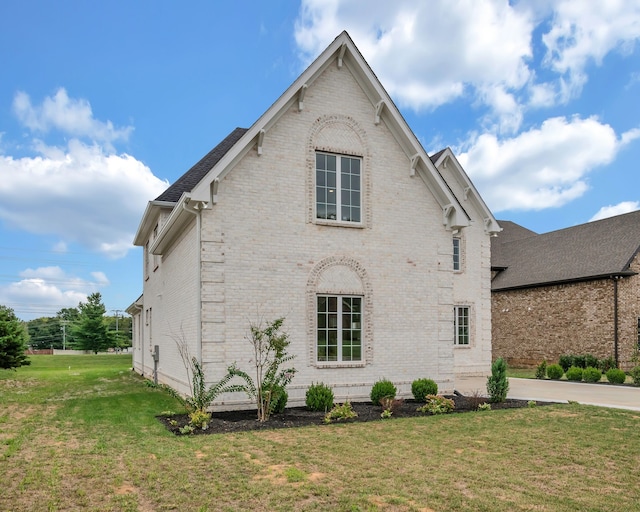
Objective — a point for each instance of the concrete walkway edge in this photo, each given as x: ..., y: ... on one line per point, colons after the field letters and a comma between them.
x: 601, y: 395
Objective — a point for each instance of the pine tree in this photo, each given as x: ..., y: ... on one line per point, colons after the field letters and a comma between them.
x: 13, y: 340
x: 90, y: 330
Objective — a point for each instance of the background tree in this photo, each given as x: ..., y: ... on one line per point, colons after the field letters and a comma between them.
x: 44, y: 332
x: 120, y: 328
x: 90, y: 329
x: 14, y: 339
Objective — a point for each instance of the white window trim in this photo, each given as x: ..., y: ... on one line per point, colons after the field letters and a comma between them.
x: 338, y: 221
x: 340, y: 363
x: 456, y: 337
x: 453, y: 243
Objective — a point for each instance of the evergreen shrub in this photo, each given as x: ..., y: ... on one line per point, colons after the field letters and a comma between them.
x: 555, y: 371
x: 319, y: 397
x: 591, y: 374
x: 382, y: 389
x: 420, y: 388
x: 574, y: 374
x: 616, y: 376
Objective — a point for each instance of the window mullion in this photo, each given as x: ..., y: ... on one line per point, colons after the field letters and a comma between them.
x: 340, y: 328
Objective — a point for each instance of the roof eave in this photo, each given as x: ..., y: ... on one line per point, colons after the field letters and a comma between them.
x: 149, y: 221
x: 609, y: 275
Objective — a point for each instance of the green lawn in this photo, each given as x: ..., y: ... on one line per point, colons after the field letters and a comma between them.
x: 79, y: 433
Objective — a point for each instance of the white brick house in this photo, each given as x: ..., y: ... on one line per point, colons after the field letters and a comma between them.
x: 328, y: 212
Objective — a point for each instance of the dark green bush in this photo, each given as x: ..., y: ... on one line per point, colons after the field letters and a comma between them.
x: 382, y: 389
x: 541, y: 370
x: 555, y: 371
x: 420, y: 388
x: 574, y: 373
x: 607, y: 364
x: 578, y: 361
x: 497, y: 382
x: 279, y: 399
x: 616, y: 376
x: 319, y: 397
x: 591, y: 374
x: 565, y: 362
x: 635, y: 375
x: 590, y: 360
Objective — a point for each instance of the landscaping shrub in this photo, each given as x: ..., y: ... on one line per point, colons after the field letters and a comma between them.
x: 340, y: 412
x: 497, y: 382
x: 607, y: 364
x: 590, y: 360
x: 319, y: 397
x: 420, y: 388
x: 578, y: 361
x: 635, y: 375
x: 279, y: 399
x: 616, y: 376
x: 565, y: 362
x: 574, y: 374
x: 591, y: 374
x: 541, y: 370
x: 436, y: 404
x: 555, y: 371
x: 382, y: 389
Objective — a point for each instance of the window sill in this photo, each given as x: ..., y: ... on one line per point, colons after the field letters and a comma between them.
x: 339, y: 223
x: 358, y: 364
x: 462, y: 346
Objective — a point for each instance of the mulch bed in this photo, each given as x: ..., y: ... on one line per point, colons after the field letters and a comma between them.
x: 242, y: 421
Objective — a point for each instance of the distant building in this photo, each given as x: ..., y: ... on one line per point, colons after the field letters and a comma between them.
x: 571, y: 291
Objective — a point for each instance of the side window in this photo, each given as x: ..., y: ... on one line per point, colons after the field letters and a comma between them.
x: 339, y: 328
x: 456, y: 254
x: 461, y: 325
x: 338, y: 188
x: 146, y: 260
x: 156, y: 258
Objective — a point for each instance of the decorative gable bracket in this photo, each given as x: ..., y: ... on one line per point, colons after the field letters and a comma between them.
x: 452, y: 219
x: 301, y: 94
x: 379, y: 107
x: 260, y: 140
x: 414, y: 163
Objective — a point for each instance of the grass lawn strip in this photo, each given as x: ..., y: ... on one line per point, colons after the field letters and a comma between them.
x: 91, y: 442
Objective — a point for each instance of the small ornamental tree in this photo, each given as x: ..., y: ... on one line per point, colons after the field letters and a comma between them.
x: 90, y: 330
x: 497, y: 382
x: 270, y: 353
x: 13, y: 340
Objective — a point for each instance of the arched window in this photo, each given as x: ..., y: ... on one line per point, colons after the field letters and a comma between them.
x: 339, y: 313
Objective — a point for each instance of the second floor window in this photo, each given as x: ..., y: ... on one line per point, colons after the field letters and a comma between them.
x: 456, y: 253
x: 338, y: 184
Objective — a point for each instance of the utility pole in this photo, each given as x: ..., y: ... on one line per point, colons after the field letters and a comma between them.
x: 64, y: 324
x: 117, y: 311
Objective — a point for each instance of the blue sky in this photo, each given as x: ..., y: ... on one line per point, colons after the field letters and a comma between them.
x: 103, y: 104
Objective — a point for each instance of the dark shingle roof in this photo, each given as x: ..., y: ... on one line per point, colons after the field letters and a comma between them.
x: 592, y: 250
x: 192, y: 177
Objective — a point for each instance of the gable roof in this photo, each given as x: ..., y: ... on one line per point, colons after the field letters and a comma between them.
x: 193, y: 176
x: 197, y: 188
x: 595, y: 250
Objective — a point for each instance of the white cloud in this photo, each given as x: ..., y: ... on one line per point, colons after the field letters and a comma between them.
x: 83, y: 192
x: 431, y: 53
x: 44, y: 291
x: 427, y: 53
x: 582, y: 33
x: 616, y: 209
x: 71, y: 116
x: 544, y: 167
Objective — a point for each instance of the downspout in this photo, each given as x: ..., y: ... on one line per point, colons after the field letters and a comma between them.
x: 196, y: 210
x: 615, y: 319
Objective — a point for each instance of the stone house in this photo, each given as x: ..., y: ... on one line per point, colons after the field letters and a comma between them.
x: 327, y: 212
x: 571, y: 291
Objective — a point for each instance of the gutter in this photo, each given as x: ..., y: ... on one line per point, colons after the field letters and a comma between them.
x: 615, y: 319
x: 197, y: 210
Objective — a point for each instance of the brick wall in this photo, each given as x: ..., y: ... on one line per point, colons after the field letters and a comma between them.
x: 537, y: 324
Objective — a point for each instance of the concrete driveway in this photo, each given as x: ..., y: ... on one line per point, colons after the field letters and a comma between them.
x: 603, y: 395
